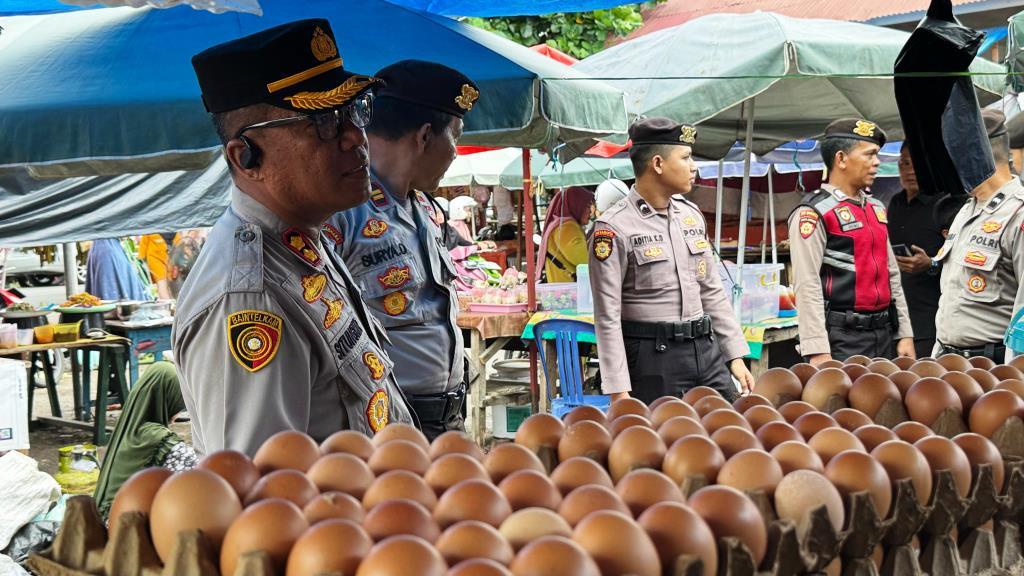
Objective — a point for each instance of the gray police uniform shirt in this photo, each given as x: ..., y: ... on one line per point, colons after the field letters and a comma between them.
x: 983, y: 270
x: 270, y: 334
x: 397, y: 254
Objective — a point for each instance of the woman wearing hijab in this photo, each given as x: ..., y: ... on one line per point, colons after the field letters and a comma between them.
x: 142, y: 438
x: 564, y: 243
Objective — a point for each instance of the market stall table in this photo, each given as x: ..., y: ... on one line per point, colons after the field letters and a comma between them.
x: 149, y: 340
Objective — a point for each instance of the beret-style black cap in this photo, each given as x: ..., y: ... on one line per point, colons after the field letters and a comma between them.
x: 429, y: 84
x: 658, y: 130
x: 857, y: 129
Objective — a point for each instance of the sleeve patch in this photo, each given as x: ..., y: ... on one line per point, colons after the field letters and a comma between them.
x: 254, y: 337
x: 604, y: 244
x: 808, y: 222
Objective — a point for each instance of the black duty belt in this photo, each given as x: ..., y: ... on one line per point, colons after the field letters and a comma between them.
x: 667, y: 330
x: 995, y: 351
x: 442, y: 407
x: 858, y: 320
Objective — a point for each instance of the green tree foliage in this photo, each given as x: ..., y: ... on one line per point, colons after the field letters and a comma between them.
x: 577, y: 34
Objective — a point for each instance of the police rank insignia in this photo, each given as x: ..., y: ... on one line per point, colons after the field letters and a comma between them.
x: 604, y: 242
x: 702, y: 269
x: 313, y: 287
x: 378, y: 198
x: 976, y: 283
x: 302, y: 246
x: 377, y: 410
x: 467, y: 98
x: 253, y: 338
x: 808, y: 222
x: 975, y: 258
x: 374, y: 364
x: 395, y: 303
x: 991, y: 226
x: 865, y: 128
x: 880, y: 214
x: 334, y: 308
x: 395, y: 277
x: 375, y: 228
x: 333, y: 233
x: 653, y: 252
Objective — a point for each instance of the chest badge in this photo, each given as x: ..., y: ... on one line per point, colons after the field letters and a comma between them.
x: 975, y: 258
x: 333, y: 234
x: 375, y: 228
x: 395, y: 277
x: 844, y: 214
x: 604, y: 242
x: 302, y: 245
x: 395, y: 303
x: 690, y: 221
x: 334, y: 308
x: 881, y: 215
x: 991, y: 226
x: 378, y: 198
x: 653, y: 252
x: 702, y: 269
x: 377, y: 410
x: 313, y: 287
x: 808, y: 222
x: 976, y: 283
x: 253, y: 338
x: 374, y: 364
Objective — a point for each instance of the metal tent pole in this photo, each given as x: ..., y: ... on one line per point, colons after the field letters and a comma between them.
x: 718, y: 208
x: 771, y: 215
x: 70, y: 269
x: 741, y: 246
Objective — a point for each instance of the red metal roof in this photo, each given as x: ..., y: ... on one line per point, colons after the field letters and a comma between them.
x: 675, y: 12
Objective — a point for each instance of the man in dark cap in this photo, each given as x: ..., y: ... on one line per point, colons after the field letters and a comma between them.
x: 983, y: 260
x: 663, y: 321
x: 394, y: 246
x: 848, y: 293
x: 270, y: 333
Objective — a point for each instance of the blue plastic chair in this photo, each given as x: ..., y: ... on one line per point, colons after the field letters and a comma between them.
x: 567, y: 348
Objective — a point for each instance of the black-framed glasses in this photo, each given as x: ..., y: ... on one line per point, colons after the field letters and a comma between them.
x: 328, y: 124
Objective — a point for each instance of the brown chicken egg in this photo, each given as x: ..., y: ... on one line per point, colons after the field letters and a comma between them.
x: 709, y: 404
x: 911, y: 431
x: 724, y: 417
x: 288, y: 484
x: 993, y: 409
x: 588, y: 439
x: 698, y: 393
x: 661, y: 400
x: 618, y: 544
x: 954, y: 363
x: 189, y: 500
x: 901, y: 460
x: 854, y: 371
x: 927, y: 369
x: 883, y: 367
x: 779, y: 385
x: 831, y: 441
x: 586, y: 412
x: 904, y: 362
x: 474, y: 539
x: 733, y: 440
x: 795, y: 455
x: 272, y: 525
x: 673, y: 409
x: 680, y: 427
x: 851, y: 419
x: 827, y: 383
x: 615, y: 427
x: 857, y: 359
x: 870, y: 392
x: 873, y: 435
x: 984, y: 378
x: 966, y: 388
x: 793, y: 410
x: 400, y: 516
x: 774, y: 433
x: 751, y: 470
x: 758, y: 416
x: 930, y: 397
x: 450, y: 469
x: 676, y: 530
x: 943, y: 454
x: 1006, y: 372
x: 635, y: 447
x: 803, y: 491
x: 399, y: 484
x: 478, y: 567
x: 455, y: 442
x: 402, y: 556
x: 505, y: 459
x: 137, y: 493
x: 341, y: 472
x: 1018, y: 363
x: 1013, y: 385
x: 472, y: 500
x: 286, y: 450
x: 399, y: 455
x: 852, y: 472
x: 831, y: 364
x: 980, y: 450
x: 552, y: 555
x: 530, y: 489
x: 232, y: 466
x: 401, y: 431
x: 693, y: 456
x: 529, y: 524
x: 641, y: 489
x: 586, y: 499
x: 334, y: 505
x: 540, y: 431
x: 982, y: 362
x: 803, y: 371
x: 579, y: 471
x: 813, y: 422
x: 728, y: 512
x: 332, y: 546
x: 625, y: 406
x: 904, y: 380
x: 748, y: 401
x: 348, y: 442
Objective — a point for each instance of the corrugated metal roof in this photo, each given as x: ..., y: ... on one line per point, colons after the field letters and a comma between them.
x: 675, y: 12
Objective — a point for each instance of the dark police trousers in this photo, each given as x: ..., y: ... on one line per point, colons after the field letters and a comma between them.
x: 851, y: 333
x: 671, y: 367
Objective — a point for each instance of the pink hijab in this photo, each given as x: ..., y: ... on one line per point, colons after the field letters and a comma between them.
x: 568, y: 204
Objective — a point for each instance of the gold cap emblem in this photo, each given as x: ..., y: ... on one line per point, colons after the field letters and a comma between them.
x: 865, y: 129
x: 322, y: 45
x: 688, y: 135
x: 467, y: 98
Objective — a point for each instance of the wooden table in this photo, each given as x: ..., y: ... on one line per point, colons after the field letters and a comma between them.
x: 760, y: 366
x: 112, y: 360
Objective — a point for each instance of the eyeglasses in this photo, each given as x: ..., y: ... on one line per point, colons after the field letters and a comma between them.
x: 328, y: 124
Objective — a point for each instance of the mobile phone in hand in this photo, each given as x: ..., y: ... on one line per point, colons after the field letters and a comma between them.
x: 902, y: 250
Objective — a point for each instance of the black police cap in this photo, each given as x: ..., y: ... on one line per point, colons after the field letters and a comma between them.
x: 429, y: 84
x: 658, y: 130
x: 856, y: 129
x: 295, y: 66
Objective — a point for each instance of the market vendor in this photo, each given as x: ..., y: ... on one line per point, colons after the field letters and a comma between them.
x: 564, y: 243
x: 849, y: 297
x: 663, y: 321
x: 394, y: 246
x: 270, y: 332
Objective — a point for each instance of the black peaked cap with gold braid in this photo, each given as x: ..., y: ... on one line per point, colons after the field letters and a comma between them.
x: 429, y: 84
x: 294, y: 66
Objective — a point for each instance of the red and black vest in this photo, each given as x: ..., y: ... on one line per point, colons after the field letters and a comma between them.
x: 855, y: 268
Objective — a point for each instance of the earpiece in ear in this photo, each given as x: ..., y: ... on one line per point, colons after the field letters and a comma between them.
x: 250, y: 157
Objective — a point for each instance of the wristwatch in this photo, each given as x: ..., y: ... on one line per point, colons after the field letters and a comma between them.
x: 934, y: 268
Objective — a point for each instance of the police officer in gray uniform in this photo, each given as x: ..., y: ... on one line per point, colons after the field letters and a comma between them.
x: 395, y: 249
x: 270, y: 332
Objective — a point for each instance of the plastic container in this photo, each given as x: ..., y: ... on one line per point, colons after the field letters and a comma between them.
x: 25, y: 337
x: 760, y: 299
x: 507, y: 418
x: 8, y: 336
x: 43, y: 334
x: 67, y: 332
x: 584, y: 297
x: 1015, y: 333
x: 557, y: 296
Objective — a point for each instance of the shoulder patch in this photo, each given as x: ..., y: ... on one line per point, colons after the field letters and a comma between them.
x: 808, y: 222
x: 377, y: 410
x: 604, y: 243
x: 254, y: 337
